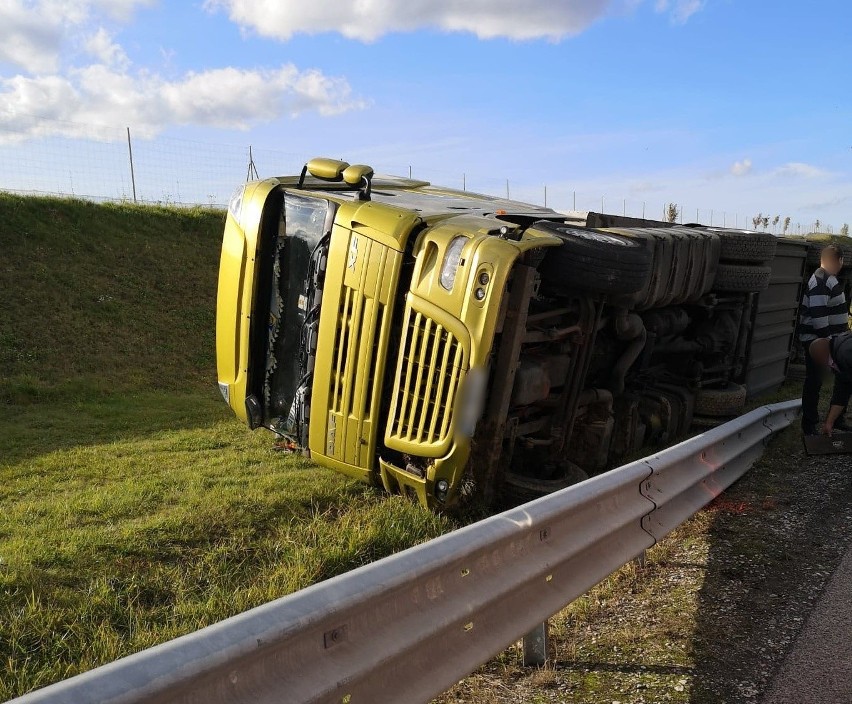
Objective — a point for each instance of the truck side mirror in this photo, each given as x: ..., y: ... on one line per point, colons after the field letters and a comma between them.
x: 359, y: 175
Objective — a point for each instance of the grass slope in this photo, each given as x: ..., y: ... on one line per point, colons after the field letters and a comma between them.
x: 133, y: 506
x: 105, y: 296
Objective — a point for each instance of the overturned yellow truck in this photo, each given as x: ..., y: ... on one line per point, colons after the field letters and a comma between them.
x: 441, y: 343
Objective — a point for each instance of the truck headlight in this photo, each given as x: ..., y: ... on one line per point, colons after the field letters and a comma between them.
x: 452, y: 257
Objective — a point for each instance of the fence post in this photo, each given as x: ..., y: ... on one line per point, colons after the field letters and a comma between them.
x: 535, y: 646
x: 132, y: 175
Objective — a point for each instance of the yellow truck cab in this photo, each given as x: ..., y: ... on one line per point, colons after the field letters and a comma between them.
x: 427, y: 339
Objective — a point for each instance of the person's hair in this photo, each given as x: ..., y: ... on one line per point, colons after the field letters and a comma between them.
x: 832, y: 252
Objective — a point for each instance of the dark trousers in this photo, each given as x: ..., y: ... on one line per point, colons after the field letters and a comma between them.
x: 842, y: 392
x: 813, y: 385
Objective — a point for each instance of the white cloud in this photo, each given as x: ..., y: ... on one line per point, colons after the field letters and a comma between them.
x: 798, y: 169
x: 101, y: 46
x: 367, y: 20
x: 741, y: 168
x: 679, y: 10
x: 103, y: 95
x: 682, y: 10
x: 30, y: 36
x: 34, y: 31
x: 110, y: 91
x: 121, y: 10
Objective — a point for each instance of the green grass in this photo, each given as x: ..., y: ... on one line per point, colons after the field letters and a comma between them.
x: 135, y: 508
x: 105, y: 297
x: 154, y: 528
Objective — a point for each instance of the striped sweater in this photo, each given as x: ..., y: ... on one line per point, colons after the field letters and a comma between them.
x: 823, y: 311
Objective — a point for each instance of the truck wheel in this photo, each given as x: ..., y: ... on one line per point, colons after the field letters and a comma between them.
x: 519, y: 489
x: 747, y: 247
x: 740, y: 278
x: 589, y: 260
x: 720, y: 402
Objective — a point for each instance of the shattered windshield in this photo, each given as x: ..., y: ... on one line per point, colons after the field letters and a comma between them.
x: 301, y: 230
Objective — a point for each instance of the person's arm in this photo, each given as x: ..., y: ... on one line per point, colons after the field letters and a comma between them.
x: 806, y: 328
x: 834, y: 412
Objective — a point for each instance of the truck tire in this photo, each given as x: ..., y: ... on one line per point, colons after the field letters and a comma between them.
x: 734, y: 278
x: 599, y: 262
x: 747, y: 247
x: 720, y: 402
x: 519, y: 489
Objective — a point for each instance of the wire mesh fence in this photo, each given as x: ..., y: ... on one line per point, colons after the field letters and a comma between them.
x: 108, y: 163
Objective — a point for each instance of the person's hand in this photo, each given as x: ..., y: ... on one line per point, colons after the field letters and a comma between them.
x: 827, y: 428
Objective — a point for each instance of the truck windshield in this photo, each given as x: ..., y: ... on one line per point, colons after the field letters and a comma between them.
x: 294, y: 299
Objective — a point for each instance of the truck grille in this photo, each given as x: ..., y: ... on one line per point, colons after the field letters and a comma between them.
x: 359, y: 320
x: 350, y: 382
x: 429, y: 372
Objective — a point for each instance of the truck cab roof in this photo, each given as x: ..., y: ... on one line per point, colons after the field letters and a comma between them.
x: 431, y: 202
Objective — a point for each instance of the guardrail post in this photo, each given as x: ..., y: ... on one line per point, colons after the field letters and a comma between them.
x: 535, y: 646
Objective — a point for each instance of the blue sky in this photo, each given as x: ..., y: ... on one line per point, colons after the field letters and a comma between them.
x: 740, y: 107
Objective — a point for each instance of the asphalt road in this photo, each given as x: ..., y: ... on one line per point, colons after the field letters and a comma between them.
x: 818, y: 667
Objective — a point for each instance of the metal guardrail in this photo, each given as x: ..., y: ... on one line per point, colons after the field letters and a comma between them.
x: 405, y: 628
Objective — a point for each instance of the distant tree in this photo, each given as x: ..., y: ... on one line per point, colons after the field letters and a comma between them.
x: 775, y: 222
x: 845, y: 230
x: 672, y: 211
x: 786, y: 224
x: 765, y: 222
x: 756, y: 220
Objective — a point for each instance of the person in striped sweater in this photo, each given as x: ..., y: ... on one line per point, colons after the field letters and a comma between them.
x: 823, y: 313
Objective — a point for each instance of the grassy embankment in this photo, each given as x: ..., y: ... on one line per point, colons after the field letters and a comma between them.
x: 133, y: 506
